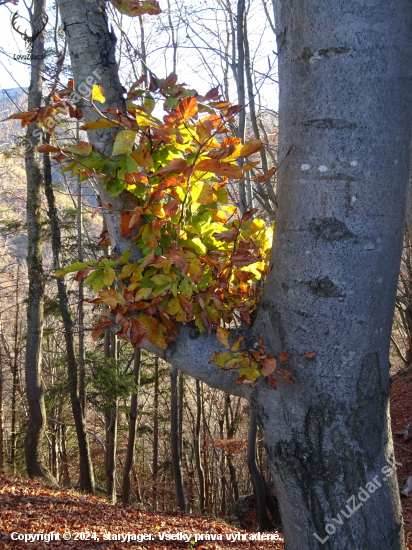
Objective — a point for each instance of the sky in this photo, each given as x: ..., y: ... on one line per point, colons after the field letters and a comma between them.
x: 14, y: 73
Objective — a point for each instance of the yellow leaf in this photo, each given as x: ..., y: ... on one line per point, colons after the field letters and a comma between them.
x: 149, y: 238
x: 223, y: 336
x: 158, y: 210
x: 236, y: 345
x: 219, y: 216
x: 109, y: 275
x: 257, y: 225
x: 111, y: 297
x: 250, y: 147
x: 98, y: 93
x: 124, y: 142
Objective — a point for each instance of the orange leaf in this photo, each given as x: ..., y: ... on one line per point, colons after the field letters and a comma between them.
x: 82, y: 274
x: 250, y: 147
x: 187, y: 108
x: 310, y: 354
x: 269, y: 366
x: 156, y: 331
x: 196, y: 270
x: 227, y: 169
x: 283, y: 356
x: 138, y: 332
x: 171, y: 207
x: 176, y: 166
x: 223, y: 336
x: 213, y: 356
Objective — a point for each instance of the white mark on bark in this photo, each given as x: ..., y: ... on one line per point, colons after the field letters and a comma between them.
x: 353, y: 199
x: 305, y: 167
x: 322, y: 168
x: 395, y: 162
x: 380, y: 280
x: 354, y: 163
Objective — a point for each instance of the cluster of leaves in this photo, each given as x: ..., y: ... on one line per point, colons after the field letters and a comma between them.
x: 134, y: 7
x: 202, y: 259
x: 233, y: 446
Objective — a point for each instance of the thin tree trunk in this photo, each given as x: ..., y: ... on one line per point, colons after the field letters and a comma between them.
x: 85, y: 462
x: 34, y: 391
x: 198, y: 456
x: 13, y: 438
x: 174, y: 440
x: 155, y: 431
x: 230, y: 431
x: 111, y: 435
x: 258, y: 482
x: 240, y: 83
x: 131, y: 442
x: 1, y: 407
x: 82, y: 372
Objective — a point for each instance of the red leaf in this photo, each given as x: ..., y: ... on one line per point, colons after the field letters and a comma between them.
x: 82, y: 274
x: 207, y: 323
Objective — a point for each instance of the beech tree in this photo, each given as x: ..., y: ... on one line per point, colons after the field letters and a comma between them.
x: 331, y: 281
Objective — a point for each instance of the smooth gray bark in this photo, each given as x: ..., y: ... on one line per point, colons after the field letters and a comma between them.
x: 345, y: 98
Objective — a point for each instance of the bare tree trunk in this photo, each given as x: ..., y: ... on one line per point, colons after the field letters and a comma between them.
x: 86, y: 466
x: 240, y: 83
x: 1, y: 407
x: 258, y: 482
x: 13, y: 438
x: 174, y: 440
x: 155, y: 431
x: 131, y: 442
x: 82, y: 372
x: 198, y: 457
x: 230, y: 433
x: 34, y: 391
x: 111, y: 434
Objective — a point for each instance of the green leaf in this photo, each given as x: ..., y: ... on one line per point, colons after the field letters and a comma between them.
x: 114, y: 187
x: 127, y: 166
x: 222, y: 358
x: 143, y: 294
x: 125, y: 256
x: 95, y: 279
x: 77, y: 266
x: 221, y: 195
x: 124, y: 142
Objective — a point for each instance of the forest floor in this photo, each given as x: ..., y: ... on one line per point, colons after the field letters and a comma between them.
x: 29, y: 507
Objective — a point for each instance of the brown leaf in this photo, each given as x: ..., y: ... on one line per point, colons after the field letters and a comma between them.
x: 231, y: 171
x: 250, y: 147
x: 81, y: 274
x: 262, y: 346
x: 138, y: 332
x: 283, y: 356
x: 269, y: 366
x: 273, y: 383
x: 207, y: 323
x: 226, y: 236
x: 213, y: 356
x: 244, y: 258
x: 285, y: 374
x: 310, y: 354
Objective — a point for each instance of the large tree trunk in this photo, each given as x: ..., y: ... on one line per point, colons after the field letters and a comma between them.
x: 198, y: 456
x: 345, y: 78
x: 34, y: 391
x: 345, y: 96
x: 85, y: 461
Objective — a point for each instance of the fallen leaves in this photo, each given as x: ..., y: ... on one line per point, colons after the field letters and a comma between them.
x: 28, y: 506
